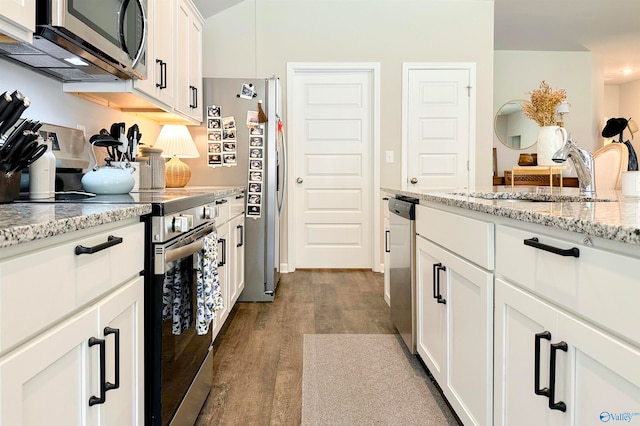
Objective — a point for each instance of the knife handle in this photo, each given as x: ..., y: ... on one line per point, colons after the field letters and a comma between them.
x: 14, y: 115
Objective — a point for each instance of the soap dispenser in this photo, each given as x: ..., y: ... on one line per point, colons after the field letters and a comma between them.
x: 42, y: 175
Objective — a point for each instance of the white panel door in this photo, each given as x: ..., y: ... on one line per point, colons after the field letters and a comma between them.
x: 437, y: 121
x: 332, y: 166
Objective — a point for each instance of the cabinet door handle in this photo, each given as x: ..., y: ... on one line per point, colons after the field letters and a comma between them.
x: 387, y: 247
x: 224, y: 200
x: 163, y: 74
x: 435, y: 278
x: 552, y: 377
x: 111, y: 241
x: 224, y: 252
x: 239, y: 196
x: 195, y: 97
x: 241, y: 228
x: 93, y: 400
x: 536, y: 380
x: 116, y: 350
x: 440, y: 298
x: 535, y: 242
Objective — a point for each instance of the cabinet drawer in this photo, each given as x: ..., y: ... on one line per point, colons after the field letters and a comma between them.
x: 600, y: 286
x: 43, y: 286
x: 223, y: 206
x: 236, y: 205
x: 470, y: 238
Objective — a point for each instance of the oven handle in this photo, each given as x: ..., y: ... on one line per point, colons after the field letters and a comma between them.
x: 184, y: 251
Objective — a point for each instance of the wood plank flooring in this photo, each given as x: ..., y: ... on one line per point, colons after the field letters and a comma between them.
x: 257, y: 377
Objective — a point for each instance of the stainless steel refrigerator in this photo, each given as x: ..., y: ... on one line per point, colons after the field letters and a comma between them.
x: 235, y: 101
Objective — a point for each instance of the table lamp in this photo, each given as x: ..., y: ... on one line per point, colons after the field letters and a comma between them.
x: 175, y: 142
x: 563, y: 108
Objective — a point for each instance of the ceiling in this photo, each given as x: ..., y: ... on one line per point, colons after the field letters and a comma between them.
x: 610, y: 29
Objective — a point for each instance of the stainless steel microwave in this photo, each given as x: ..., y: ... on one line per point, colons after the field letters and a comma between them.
x: 107, y: 33
x: 85, y: 40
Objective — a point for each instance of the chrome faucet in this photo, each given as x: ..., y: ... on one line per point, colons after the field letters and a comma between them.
x: 584, y: 164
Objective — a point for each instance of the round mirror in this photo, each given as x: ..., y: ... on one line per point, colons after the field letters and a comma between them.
x: 514, y: 129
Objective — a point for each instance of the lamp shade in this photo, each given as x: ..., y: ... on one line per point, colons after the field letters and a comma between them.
x: 175, y: 141
x: 563, y: 108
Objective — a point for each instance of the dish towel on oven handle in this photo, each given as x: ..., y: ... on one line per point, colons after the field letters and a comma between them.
x: 176, y: 295
x: 208, y: 294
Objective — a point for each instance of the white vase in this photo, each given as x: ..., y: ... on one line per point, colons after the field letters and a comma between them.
x: 550, y: 140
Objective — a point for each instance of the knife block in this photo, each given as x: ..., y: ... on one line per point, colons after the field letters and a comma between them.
x: 9, y: 186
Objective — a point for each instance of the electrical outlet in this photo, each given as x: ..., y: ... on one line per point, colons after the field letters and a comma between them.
x: 388, y: 155
x: 81, y: 127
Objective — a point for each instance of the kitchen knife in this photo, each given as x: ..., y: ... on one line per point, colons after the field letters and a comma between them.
x: 5, y: 100
x: 14, y: 114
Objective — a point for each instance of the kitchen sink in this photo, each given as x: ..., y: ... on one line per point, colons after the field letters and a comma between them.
x: 530, y: 196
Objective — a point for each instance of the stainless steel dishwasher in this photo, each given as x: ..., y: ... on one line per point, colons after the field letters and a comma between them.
x: 402, y: 247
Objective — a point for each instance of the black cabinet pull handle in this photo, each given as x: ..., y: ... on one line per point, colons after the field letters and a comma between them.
x: 116, y: 332
x: 534, y: 242
x: 195, y: 97
x: 239, y: 196
x: 387, y: 247
x: 552, y: 377
x: 93, y: 400
x: 224, y: 200
x: 440, y: 298
x: 435, y: 278
x: 241, y: 228
x: 224, y: 252
x: 385, y: 198
x: 536, y: 380
x: 111, y: 241
x: 163, y: 74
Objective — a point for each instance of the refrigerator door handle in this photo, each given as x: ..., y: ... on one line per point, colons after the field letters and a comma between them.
x: 284, y: 168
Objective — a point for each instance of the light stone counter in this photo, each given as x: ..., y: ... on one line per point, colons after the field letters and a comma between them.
x: 23, y: 222
x: 616, y: 220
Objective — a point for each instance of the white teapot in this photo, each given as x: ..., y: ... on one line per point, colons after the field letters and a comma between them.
x: 108, y: 179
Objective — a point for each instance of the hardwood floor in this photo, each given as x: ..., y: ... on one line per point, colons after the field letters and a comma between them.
x: 257, y: 376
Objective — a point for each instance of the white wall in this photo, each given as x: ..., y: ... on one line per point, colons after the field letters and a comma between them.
x: 257, y: 38
x: 50, y: 104
x: 516, y: 73
x: 629, y: 107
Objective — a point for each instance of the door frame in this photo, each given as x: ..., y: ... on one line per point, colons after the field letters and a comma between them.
x: 296, y: 68
x: 410, y: 66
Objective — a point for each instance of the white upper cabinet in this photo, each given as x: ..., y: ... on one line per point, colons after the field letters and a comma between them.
x: 18, y: 19
x: 160, y: 57
x: 189, y: 56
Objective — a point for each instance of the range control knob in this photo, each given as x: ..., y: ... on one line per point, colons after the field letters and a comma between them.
x: 181, y: 223
x: 209, y: 212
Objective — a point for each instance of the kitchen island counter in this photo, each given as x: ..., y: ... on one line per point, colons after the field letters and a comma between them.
x: 24, y: 222
x: 615, y: 220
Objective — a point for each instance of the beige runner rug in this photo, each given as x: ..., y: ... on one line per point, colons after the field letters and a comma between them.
x: 367, y: 379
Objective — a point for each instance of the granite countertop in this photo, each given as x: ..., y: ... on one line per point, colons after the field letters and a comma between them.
x: 23, y: 222
x: 617, y: 219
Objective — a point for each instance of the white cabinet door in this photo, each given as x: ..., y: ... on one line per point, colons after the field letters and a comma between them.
x: 593, y: 379
x: 51, y: 379
x: 387, y: 256
x: 431, y: 321
x: 236, y: 278
x: 223, y: 272
x: 121, y: 322
x: 18, y: 18
x: 455, y: 320
x: 161, y: 64
x: 189, y: 58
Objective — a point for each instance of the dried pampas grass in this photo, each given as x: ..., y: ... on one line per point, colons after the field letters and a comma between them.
x: 543, y: 105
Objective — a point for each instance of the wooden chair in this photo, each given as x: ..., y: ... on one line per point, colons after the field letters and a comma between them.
x: 610, y: 160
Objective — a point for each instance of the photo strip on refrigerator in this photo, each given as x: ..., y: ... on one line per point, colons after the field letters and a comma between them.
x: 256, y: 170
x: 214, y: 136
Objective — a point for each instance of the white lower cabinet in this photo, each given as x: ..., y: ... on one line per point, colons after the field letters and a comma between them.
x: 236, y: 279
x: 555, y: 369
x: 223, y: 274
x: 59, y: 378
x: 454, y: 329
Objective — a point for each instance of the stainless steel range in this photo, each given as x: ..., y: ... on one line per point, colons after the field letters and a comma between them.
x: 178, y: 363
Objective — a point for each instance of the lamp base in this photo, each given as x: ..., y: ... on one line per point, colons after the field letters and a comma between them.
x: 177, y: 173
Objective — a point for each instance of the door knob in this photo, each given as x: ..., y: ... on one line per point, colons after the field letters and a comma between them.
x: 414, y: 180
x: 299, y: 180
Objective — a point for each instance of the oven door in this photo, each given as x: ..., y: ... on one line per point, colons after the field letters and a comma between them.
x: 116, y: 27
x: 176, y: 353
